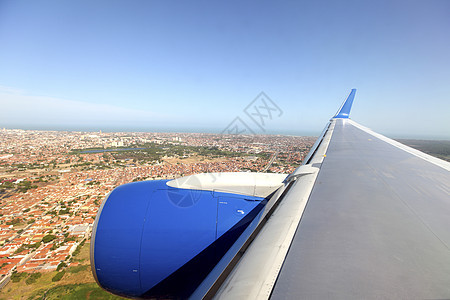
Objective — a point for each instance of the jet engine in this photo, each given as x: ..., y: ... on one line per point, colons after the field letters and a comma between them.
x: 163, y: 238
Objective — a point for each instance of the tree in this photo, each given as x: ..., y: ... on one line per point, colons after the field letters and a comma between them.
x: 48, y: 238
x: 58, y: 276
x: 33, y: 277
x: 60, y: 266
x: 16, y: 277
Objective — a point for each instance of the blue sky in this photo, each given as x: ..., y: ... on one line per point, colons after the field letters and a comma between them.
x: 196, y: 65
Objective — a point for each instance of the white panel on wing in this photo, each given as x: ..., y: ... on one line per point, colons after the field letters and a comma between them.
x: 244, y: 183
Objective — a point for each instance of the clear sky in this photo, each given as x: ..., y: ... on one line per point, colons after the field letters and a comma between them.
x: 196, y: 65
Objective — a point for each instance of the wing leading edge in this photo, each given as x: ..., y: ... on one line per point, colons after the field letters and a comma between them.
x: 364, y: 217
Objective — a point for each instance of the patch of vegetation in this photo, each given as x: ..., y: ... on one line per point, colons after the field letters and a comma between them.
x: 264, y: 155
x: 58, y: 276
x: 33, y: 246
x: 215, y: 152
x: 24, y: 186
x: 78, y: 269
x: 64, y: 212
x: 27, y: 246
x: 74, y: 292
x: 60, y: 266
x: 14, y: 222
x: 93, y: 182
x: 7, y: 185
x: 16, y: 277
x: 78, y: 249
x: 70, y: 239
x: 52, y: 212
x: 48, y: 238
x: 33, y: 277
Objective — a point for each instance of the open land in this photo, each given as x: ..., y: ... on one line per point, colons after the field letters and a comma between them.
x: 439, y: 148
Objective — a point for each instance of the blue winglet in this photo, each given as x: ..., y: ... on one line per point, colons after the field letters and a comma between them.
x: 344, y: 110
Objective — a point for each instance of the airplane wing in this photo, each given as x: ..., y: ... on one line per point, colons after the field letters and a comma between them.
x: 363, y: 217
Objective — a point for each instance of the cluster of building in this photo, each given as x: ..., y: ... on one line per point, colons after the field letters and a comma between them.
x: 42, y: 227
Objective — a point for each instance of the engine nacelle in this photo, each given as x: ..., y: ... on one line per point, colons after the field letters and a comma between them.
x: 160, y: 239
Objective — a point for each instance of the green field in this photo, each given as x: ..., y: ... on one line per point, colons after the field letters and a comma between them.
x: 77, y: 282
x: 73, y: 291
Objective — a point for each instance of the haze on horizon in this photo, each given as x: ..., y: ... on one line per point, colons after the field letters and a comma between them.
x: 195, y: 66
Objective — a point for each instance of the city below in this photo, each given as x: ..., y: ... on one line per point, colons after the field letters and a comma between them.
x: 53, y: 182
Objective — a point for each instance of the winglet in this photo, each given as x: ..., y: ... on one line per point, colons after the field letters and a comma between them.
x: 344, y: 110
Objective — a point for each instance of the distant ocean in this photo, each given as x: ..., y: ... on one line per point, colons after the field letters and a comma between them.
x: 393, y: 135
x: 157, y: 129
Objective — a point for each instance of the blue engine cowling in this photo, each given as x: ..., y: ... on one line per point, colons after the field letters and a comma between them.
x: 154, y: 241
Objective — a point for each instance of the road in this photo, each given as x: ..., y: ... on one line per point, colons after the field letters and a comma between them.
x: 270, y: 161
